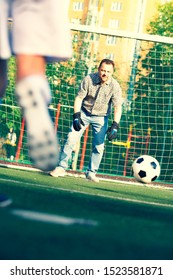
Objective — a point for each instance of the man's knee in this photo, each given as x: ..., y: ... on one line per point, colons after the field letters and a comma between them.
x: 99, y: 149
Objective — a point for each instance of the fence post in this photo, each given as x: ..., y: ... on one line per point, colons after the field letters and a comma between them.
x: 19, y: 146
x: 57, y: 116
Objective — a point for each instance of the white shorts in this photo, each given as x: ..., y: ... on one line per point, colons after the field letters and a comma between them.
x: 40, y: 27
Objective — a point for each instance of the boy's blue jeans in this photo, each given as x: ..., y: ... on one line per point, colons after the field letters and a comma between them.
x: 99, y: 128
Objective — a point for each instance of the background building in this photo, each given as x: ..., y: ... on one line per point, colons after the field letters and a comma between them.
x: 125, y: 15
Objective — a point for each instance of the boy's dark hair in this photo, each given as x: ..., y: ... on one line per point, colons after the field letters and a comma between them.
x: 107, y: 61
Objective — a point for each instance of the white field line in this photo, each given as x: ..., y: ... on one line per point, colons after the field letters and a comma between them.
x: 123, y: 182
x: 97, y: 195
x: 51, y: 218
x: 80, y: 175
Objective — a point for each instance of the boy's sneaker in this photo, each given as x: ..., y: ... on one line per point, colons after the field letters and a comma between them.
x: 5, y: 200
x: 91, y: 176
x: 58, y: 172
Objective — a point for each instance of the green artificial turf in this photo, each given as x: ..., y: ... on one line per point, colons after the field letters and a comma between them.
x: 119, y: 220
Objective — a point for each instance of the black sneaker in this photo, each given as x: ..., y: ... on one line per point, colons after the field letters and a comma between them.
x: 5, y: 200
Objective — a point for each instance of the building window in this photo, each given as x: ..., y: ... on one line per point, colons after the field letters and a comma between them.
x: 114, y: 23
x: 75, y: 20
x: 111, y: 40
x: 110, y: 56
x: 78, y: 6
x: 116, y: 6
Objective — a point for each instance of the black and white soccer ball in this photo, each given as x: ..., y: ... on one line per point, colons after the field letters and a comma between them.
x: 146, y: 169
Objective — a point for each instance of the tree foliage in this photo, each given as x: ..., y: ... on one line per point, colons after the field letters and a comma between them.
x: 163, y: 22
x: 152, y: 104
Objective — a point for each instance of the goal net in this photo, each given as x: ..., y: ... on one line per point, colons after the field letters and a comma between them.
x: 144, y: 69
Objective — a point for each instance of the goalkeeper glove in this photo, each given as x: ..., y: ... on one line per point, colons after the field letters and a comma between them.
x: 112, y: 131
x: 77, y: 121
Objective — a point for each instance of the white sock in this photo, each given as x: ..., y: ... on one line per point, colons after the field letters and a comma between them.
x: 36, y: 83
x: 33, y: 95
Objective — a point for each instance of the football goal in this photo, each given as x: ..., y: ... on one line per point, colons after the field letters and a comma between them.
x: 144, y: 69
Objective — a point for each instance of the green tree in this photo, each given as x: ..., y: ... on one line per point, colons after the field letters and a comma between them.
x: 152, y: 104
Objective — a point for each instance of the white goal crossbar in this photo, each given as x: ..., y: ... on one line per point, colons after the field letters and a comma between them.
x: 121, y: 33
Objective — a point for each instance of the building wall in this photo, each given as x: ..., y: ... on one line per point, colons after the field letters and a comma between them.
x: 129, y: 13
x: 126, y: 15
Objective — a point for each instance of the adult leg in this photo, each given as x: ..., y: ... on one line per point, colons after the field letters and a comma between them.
x: 8, y: 147
x: 99, y: 126
x: 72, y: 140
x: 12, y: 155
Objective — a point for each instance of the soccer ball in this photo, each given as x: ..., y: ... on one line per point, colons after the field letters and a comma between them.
x: 146, y: 169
